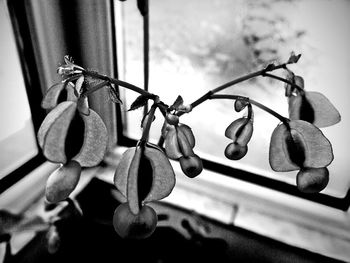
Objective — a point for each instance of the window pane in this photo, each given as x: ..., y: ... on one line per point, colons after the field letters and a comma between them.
x: 17, y: 137
x: 198, y: 45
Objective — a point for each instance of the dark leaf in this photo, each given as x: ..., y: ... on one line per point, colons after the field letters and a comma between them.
x: 315, y: 108
x: 178, y: 102
x: 293, y: 58
x: 140, y: 101
x: 114, y: 95
x: 142, y: 5
x: 270, y: 67
x: 240, y: 105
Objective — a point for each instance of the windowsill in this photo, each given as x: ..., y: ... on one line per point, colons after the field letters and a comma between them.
x: 27, y: 196
x: 291, y: 220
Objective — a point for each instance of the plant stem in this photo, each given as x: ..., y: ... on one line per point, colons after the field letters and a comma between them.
x: 146, y: 54
x: 94, y: 88
x: 147, y: 128
x: 282, y: 79
x: 262, y: 72
x: 117, y: 82
x: 258, y: 104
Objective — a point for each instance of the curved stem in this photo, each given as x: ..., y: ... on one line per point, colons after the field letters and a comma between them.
x: 258, y: 104
x: 147, y: 128
x: 258, y: 73
x: 94, y: 88
x: 282, y: 79
x: 117, y: 82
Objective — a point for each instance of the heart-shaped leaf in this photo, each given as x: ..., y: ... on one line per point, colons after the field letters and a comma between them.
x: 51, y: 97
x: 299, y: 145
x: 279, y: 156
x: 132, y: 184
x: 62, y: 182
x: 171, y: 144
x: 83, y: 106
x: 95, y: 141
x: 122, y: 171
x: 72, y: 94
x: 184, y: 144
x: 313, y: 107
x: 188, y: 133
x: 318, y: 149
x: 140, y: 101
x: 53, y: 131
x: 240, y: 131
x: 163, y: 174
x: 79, y: 85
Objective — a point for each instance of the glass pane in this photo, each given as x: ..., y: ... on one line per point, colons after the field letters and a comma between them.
x: 17, y: 137
x: 198, y: 45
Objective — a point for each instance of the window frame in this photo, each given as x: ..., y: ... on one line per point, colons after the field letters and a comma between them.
x: 30, y: 75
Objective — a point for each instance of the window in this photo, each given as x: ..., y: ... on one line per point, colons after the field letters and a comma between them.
x: 17, y: 136
x: 198, y: 45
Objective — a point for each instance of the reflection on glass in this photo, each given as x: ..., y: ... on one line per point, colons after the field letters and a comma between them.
x: 198, y: 45
x: 17, y: 138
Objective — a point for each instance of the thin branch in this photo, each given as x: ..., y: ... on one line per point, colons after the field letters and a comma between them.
x: 258, y: 104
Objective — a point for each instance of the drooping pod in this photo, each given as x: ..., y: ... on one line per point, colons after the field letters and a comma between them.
x: 299, y: 145
x: 53, y: 132
x: 136, y: 226
x: 56, y: 127
x: 179, y: 143
x: 138, y: 165
x: 240, y: 131
x: 62, y: 182
x: 144, y: 161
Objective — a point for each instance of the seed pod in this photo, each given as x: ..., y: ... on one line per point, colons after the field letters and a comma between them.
x: 312, y: 180
x: 62, y: 182
x: 191, y: 165
x: 240, y: 131
x: 235, y: 151
x: 129, y: 225
x: 172, y: 119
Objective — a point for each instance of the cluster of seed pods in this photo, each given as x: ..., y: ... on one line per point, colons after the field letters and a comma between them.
x: 144, y: 172
x: 179, y: 142
x: 298, y: 143
x: 53, y: 132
